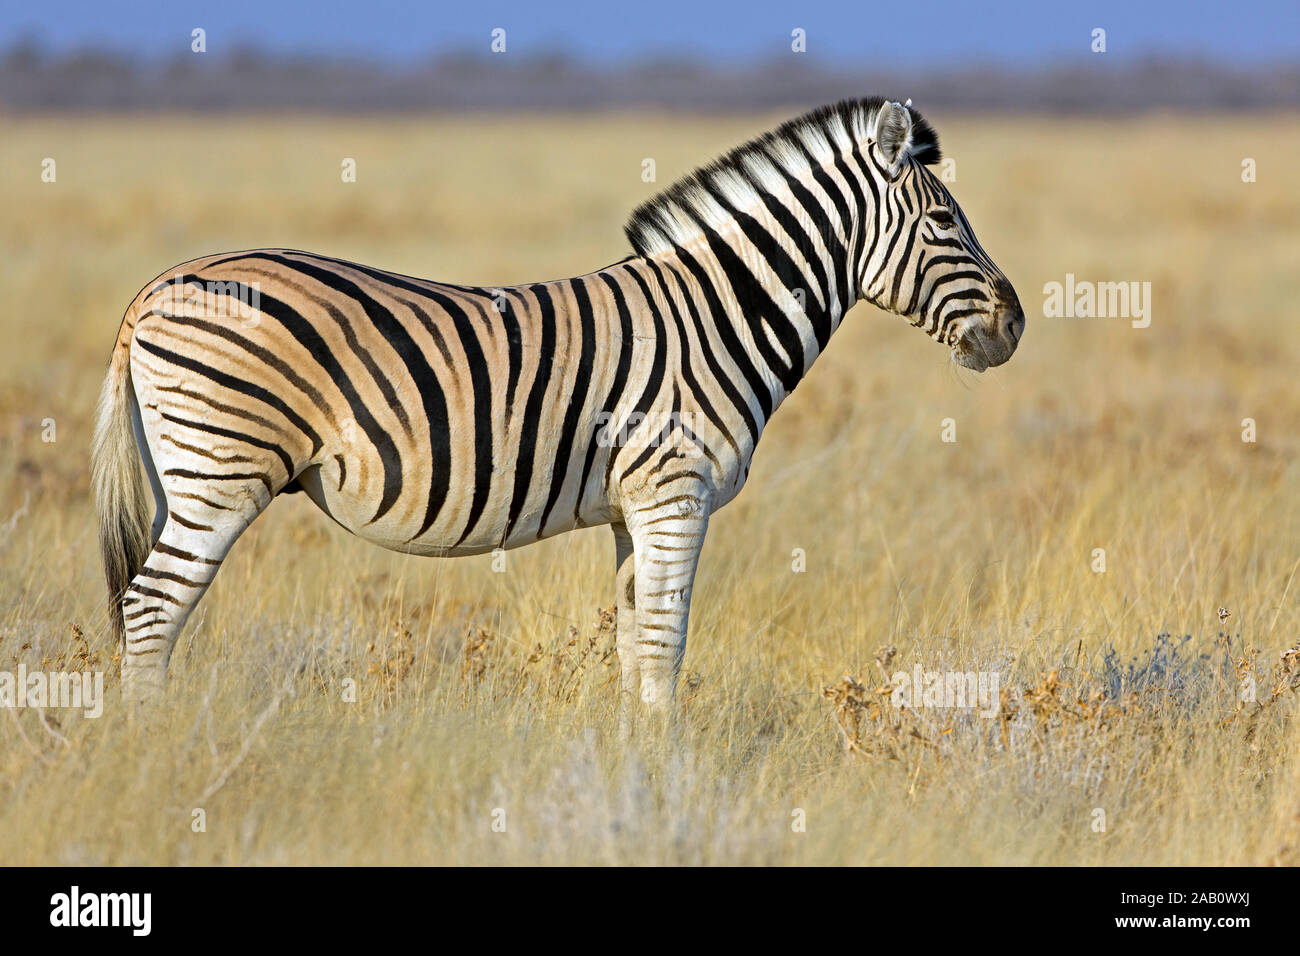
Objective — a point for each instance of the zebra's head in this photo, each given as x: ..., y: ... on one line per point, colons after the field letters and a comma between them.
x: 922, y: 260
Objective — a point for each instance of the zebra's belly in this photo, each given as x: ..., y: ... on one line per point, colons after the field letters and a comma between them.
x: 488, y: 534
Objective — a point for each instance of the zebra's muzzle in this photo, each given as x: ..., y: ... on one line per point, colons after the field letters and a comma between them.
x: 980, y: 347
x: 992, y: 340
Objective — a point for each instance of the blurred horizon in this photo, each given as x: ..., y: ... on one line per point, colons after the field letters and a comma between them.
x: 254, y: 80
x: 838, y: 35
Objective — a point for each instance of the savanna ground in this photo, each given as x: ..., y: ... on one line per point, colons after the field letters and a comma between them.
x: 479, y: 691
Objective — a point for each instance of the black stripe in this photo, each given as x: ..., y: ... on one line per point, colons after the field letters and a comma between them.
x: 577, y: 398
x: 188, y: 496
x: 841, y: 271
x: 211, y: 402
x: 237, y: 436
x: 803, y: 243
x: 481, y: 390
x: 193, y: 526
x: 150, y: 592
x: 787, y: 273
x: 183, y: 555
x: 700, y: 395
x: 832, y: 191
x: 533, y: 409
x: 917, y: 283
x: 729, y: 389
x: 703, y: 446
x: 514, y: 351
x: 626, y: 339
x: 727, y: 332
x: 206, y: 453
x: 148, y: 572
x: 261, y: 476
x: 654, y: 380
x: 860, y: 204
x: 755, y: 305
x: 870, y: 217
x: 902, y: 262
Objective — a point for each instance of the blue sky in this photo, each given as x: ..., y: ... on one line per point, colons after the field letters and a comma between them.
x: 849, y: 32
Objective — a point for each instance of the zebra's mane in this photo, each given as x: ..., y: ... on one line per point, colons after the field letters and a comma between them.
x: 751, y: 169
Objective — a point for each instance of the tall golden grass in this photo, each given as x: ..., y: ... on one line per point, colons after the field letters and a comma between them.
x: 483, y: 727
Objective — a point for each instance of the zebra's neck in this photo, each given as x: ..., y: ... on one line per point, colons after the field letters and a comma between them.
x: 761, y: 292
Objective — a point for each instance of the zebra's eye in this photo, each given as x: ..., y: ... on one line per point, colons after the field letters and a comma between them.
x: 942, y: 218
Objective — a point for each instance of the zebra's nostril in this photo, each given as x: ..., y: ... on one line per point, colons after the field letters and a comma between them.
x: 1015, y: 326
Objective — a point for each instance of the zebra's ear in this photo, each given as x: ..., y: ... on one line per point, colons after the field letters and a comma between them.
x: 893, y: 134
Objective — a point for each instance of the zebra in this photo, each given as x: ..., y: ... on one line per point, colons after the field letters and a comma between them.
x: 446, y: 420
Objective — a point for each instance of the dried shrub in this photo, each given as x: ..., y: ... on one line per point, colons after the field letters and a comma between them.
x: 558, y: 670
x: 871, y: 724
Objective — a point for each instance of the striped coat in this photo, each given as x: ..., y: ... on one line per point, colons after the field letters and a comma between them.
x: 441, y: 419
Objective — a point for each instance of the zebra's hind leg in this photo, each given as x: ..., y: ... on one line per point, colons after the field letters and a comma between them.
x: 156, y: 604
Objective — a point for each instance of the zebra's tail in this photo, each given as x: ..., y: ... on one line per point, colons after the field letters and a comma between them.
x: 118, y: 487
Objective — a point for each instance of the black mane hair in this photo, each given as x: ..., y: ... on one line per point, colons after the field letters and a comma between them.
x: 655, y: 222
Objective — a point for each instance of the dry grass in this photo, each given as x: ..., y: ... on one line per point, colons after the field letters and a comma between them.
x: 477, y: 690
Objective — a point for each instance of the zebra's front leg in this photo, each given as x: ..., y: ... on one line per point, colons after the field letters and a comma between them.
x: 668, y: 536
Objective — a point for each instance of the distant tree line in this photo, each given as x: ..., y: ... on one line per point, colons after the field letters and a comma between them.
x: 249, y: 80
